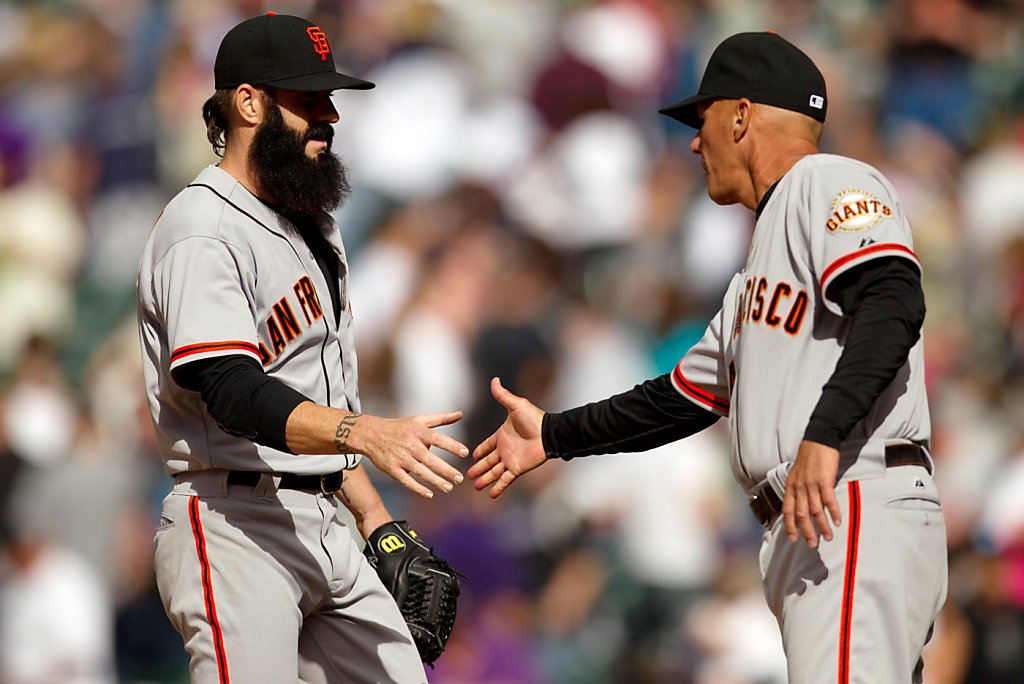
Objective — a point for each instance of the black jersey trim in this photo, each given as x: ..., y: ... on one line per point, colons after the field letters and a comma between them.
x: 763, y: 202
x: 323, y: 347
x: 242, y: 211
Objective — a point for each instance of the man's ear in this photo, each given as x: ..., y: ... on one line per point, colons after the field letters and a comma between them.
x: 742, y: 114
x: 249, y: 104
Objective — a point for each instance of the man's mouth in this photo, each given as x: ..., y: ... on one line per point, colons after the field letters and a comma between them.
x: 321, y: 135
x: 318, y: 146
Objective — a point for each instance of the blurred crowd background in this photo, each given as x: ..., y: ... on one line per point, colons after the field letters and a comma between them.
x: 519, y: 210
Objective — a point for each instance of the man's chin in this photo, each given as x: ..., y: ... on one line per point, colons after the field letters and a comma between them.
x: 721, y: 196
x: 718, y: 198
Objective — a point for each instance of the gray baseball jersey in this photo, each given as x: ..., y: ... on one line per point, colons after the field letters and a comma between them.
x: 857, y: 608
x: 223, y: 274
x: 767, y: 354
x: 264, y: 583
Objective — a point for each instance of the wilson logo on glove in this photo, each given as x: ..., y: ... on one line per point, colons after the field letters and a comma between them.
x: 391, y: 543
x: 424, y: 586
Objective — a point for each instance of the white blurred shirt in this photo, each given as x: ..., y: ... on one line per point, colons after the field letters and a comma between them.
x: 55, y: 623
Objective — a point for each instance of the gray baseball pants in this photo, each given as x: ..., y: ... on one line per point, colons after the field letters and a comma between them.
x: 859, y: 609
x: 267, y: 585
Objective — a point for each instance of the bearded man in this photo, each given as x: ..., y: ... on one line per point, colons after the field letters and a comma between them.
x: 252, y: 383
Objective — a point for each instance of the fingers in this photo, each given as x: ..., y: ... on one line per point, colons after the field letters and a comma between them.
x: 817, y: 514
x: 486, y: 447
x: 407, y: 481
x: 828, y: 498
x: 433, y: 420
x: 438, y: 475
x: 803, y: 512
x: 798, y: 518
x: 789, y: 512
x: 440, y: 440
x: 418, y: 474
x: 810, y: 492
x: 452, y: 446
x: 503, y: 482
x: 482, y: 466
x: 491, y: 471
x: 504, y: 397
x: 486, y: 472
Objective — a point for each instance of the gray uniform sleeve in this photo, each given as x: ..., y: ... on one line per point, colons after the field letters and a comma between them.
x: 853, y: 218
x: 701, y: 375
x: 861, y: 249
x: 203, y: 287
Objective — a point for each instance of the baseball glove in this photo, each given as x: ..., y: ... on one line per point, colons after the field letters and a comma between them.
x: 424, y: 586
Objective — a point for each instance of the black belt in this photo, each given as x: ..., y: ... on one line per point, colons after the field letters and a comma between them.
x: 766, y: 504
x: 326, y: 484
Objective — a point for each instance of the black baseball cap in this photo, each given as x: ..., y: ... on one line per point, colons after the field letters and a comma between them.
x: 283, y: 51
x: 763, y: 67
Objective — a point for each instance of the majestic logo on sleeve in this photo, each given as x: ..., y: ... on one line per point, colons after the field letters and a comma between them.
x: 856, y: 210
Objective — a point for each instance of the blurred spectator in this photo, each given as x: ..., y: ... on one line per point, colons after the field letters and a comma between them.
x: 41, y: 415
x: 980, y: 634
x: 42, y: 245
x: 432, y: 340
x: 56, y: 617
x: 741, y: 641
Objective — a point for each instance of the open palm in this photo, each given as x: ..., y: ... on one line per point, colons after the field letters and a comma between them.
x: 514, y: 449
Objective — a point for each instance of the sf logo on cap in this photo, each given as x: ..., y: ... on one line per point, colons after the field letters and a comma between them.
x: 319, y: 42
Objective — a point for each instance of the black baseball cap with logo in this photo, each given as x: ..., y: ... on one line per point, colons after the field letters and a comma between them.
x: 282, y: 51
x: 763, y: 67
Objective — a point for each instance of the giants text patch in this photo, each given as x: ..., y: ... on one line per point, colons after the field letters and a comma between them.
x: 856, y: 210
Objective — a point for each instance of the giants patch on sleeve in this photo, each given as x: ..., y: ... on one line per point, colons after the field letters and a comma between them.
x: 854, y: 211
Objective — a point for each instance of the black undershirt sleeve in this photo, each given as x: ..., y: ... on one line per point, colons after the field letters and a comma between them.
x: 886, y: 304
x: 245, y: 401
x: 241, y: 398
x: 647, y: 416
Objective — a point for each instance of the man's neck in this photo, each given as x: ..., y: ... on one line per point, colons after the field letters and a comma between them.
x: 236, y: 164
x: 774, y: 161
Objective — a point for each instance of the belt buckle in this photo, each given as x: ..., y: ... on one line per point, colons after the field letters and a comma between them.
x: 760, y: 506
x: 323, y: 485
x: 754, y: 503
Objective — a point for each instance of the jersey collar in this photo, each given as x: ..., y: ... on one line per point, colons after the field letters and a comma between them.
x: 764, y: 199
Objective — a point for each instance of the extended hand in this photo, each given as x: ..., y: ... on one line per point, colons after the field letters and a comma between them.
x: 400, y: 448
x: 514, y: 449
x: 810, y: 490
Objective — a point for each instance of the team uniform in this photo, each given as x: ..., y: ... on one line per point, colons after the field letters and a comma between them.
x: 250, y: 558
x: 817, y: 346
x: 859, y: 607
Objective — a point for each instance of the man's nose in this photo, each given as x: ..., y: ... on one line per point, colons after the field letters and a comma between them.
x: 328, y: 113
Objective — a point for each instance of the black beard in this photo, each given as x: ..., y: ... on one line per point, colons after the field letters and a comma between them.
x: 297, y: 185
